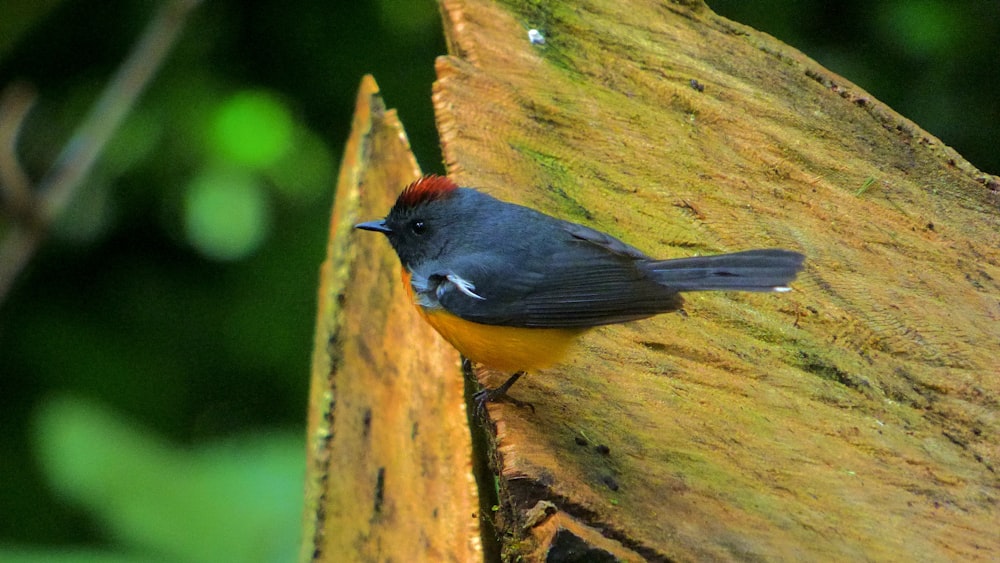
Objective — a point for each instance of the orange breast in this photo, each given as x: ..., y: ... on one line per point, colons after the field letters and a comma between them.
x: 503, y: 348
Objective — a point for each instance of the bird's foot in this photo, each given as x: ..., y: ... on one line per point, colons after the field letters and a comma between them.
x: 499, y: 394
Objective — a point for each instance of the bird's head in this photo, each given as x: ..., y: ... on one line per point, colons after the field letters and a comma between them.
x: 415, y: 225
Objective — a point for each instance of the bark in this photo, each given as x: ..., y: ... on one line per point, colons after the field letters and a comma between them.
x: 853, y: 418
x: 388, y: 474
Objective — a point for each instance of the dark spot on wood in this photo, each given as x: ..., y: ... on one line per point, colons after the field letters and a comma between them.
x: 955, y: 439
x: 577, y: 208
x: 365, y: 351
x: 610, y: 482
x: 379, y: 492
x: 825, y: 369
x: 567, y: 547
x: 366, y: 423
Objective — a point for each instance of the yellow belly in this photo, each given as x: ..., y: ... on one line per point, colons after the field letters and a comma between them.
x: 503, y: 348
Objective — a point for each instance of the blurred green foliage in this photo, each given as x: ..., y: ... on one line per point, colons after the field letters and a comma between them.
x: 226, y: 213
x: 225, y: 500
x: 159, y: 343
x: 252, y: 129
x: 154, y: 358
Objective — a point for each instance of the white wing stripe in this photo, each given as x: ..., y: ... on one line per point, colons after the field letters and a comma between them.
x: 463, y: 285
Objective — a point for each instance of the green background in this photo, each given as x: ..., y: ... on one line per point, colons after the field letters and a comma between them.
x: 154, y: 356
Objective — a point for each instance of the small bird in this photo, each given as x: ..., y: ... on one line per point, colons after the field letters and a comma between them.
x: 512, y: 288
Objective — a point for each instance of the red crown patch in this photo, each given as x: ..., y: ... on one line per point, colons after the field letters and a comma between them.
x: 428, y: 188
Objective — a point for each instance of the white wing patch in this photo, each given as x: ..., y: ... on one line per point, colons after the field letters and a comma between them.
x: 463, y: 285
x: 429, y: 289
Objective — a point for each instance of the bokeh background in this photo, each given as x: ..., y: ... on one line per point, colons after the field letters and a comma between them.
x: 154, y: 355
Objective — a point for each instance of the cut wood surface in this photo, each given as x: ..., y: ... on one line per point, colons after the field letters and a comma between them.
x: 854, y: 418
x: 388, y: 475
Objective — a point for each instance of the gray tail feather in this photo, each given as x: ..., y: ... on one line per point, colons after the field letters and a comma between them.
x: 752, y: 270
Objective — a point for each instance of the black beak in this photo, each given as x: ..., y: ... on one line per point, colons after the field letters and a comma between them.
x: 377, y: 226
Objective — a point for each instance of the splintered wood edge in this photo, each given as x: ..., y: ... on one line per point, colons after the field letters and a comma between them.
x: 389, y: 469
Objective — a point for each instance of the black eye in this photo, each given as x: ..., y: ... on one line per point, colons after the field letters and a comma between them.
x: 418, y: 227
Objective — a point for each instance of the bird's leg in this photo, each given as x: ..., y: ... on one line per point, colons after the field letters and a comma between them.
x: 467, y: 370
x: 500, y: 394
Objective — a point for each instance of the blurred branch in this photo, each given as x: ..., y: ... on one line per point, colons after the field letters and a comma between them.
x: 15, y: 186
x: 40, y: 206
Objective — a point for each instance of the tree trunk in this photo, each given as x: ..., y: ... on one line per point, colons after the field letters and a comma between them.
x: 853, y: 418
x: 388, y: 475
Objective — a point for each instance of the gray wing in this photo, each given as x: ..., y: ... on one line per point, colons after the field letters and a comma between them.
x: 576, y: 278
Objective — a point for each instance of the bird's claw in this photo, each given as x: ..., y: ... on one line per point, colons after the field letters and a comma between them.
x: 497, y: 395
x: 494, y: 395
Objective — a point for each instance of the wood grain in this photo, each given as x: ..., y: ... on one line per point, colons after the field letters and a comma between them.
x: 854, y: 418
x: 388, y: 475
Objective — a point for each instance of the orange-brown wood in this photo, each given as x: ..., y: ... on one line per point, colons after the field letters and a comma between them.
x: 388, y: 475
x: 853, y: 418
